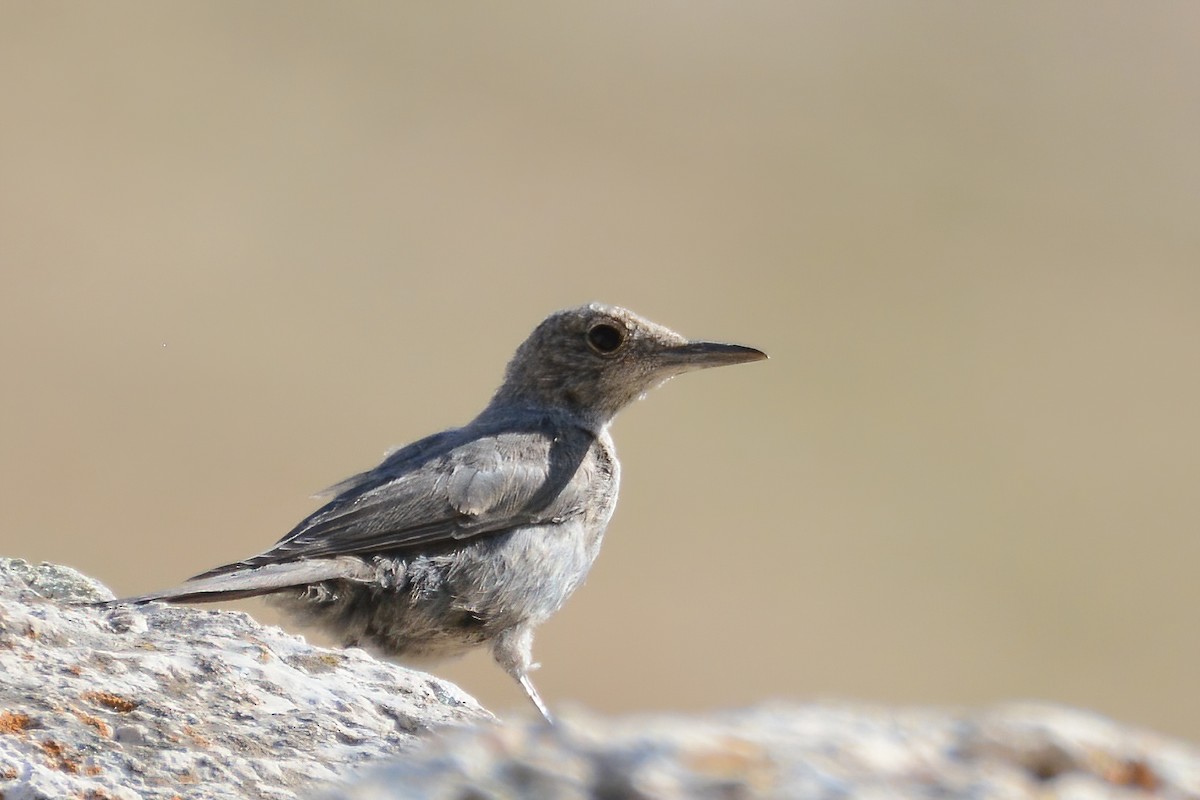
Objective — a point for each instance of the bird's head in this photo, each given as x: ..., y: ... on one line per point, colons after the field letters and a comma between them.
x: 596, y: 359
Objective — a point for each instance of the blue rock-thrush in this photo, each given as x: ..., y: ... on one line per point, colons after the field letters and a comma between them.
x: 476, y: 535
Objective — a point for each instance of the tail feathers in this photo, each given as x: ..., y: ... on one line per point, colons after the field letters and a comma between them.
x: 253, y: 582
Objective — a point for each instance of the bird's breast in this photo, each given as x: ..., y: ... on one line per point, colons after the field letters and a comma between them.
x: 603, y: 480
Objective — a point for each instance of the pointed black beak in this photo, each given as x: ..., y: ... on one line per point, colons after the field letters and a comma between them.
x: 702, y: 355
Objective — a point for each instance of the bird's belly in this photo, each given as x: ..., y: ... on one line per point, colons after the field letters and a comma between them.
x: 441, y: 605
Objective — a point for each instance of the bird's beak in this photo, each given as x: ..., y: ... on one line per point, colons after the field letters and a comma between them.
x: 702, y: 355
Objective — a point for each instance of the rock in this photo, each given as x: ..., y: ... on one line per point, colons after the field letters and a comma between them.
x: 161, y: 701
x: 165, y: 702
x: 813, y: 752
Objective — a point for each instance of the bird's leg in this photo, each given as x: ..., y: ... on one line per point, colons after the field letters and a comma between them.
x: 530, y: 690
x: 513, y: 650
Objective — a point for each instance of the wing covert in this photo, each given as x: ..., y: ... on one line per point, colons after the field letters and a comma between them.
x: 463, y: 486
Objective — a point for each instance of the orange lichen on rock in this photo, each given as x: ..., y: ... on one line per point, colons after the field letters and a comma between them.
x: 97, y: 723
x: 112, y: 701
x: 56, y: 754
x: 14, y: 722
x: 1136, y: 774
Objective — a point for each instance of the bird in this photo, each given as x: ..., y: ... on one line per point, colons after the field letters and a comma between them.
x: 476, y: 535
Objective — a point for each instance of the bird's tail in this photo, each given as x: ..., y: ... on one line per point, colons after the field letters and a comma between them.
x: 252, y: 582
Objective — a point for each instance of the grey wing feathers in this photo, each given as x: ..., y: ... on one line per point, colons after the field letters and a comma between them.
x: 393, y: 459
x: 446, y: 488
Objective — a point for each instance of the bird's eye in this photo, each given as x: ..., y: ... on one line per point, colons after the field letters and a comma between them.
x: 605, y: 339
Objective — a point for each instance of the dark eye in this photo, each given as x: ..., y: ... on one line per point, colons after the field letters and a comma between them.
x: 605, y: 338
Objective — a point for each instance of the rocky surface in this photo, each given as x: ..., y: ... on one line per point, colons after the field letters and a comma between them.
x: 165, y: 702
x: 160, y: 701
x: 817, y: 752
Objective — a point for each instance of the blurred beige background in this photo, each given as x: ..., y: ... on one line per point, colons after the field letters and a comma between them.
x: 247, y: 247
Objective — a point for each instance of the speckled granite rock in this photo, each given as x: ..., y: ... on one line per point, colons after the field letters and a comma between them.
x: 819, y: 752
x: 160, y: 702
x: 163, y: 702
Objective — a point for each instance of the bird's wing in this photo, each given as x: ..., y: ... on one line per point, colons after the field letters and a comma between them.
x: 437, y: 492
